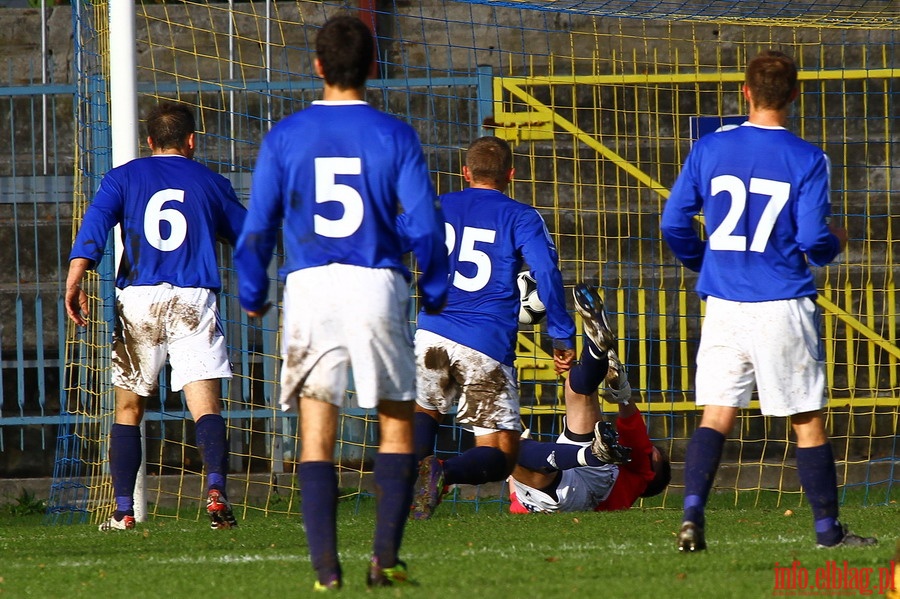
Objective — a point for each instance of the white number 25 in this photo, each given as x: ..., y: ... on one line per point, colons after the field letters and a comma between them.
x: 723, y: 237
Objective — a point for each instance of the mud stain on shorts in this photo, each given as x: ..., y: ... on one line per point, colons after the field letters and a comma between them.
x: 487, y: 399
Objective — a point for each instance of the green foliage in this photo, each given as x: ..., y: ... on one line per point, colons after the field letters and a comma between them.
x: 485, y: 553
x: 25, y: 504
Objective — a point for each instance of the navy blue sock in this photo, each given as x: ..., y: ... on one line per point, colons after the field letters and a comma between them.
x: 818, y: 476
x: 425, y: 431
x: 213, y: 444
x: 475, y: 466
x: 550, y: 457
x: 586, y: 375
x: 318, y: 489
x: 395, y: 474
x: 124, y: 462
x: 701, y: 461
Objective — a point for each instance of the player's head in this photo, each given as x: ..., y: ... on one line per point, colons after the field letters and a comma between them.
x: 771, y: 80
x: 170, y: 125
x: 662, y: 472
x: 489, y: 162
x: 345, y: 50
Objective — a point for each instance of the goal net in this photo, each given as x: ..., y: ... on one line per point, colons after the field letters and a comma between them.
x: 601, y: 101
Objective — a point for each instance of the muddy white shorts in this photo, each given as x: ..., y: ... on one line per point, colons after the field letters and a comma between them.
x: 487, y: 390
x: 156, y: 321
x: 774, y: 347
x: 337, y: 316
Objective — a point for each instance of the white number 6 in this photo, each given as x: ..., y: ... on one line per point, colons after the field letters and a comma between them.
x: 155, y: 214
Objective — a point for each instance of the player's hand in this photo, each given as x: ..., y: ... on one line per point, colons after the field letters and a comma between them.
x: 840, y: 233
x: 259, y: 313
x: 435, y: 309
x: 77, y: 305
x: 562, y: 360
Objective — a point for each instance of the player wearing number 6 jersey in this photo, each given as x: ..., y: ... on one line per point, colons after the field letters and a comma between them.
x: 171, y: 210
x: 466, y: 352
x: 764, y: 196
x: 335, y: 174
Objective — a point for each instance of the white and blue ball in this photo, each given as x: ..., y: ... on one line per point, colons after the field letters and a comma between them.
x: 531, y: 308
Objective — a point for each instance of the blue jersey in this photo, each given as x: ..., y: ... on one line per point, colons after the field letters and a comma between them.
x: 764, y: 193
x: 337, y: 174
x: 172, y: 210
x: 489, y: 236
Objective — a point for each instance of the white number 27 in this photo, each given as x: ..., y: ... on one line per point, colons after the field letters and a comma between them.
x: 723, y: 237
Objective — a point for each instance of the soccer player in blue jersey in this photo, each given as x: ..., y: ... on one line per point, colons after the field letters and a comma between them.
x: 764, y: 194
x: 171, y: 210
x: 335, y: 175
x: 466, y: 352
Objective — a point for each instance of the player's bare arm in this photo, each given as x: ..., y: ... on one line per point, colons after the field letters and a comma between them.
x: 76, y: 298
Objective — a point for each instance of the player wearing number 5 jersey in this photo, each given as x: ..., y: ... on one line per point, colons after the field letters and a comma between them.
x: 466, y: 352
x: 171, y: 210
x: 336, y: 174
x: 764, y: 196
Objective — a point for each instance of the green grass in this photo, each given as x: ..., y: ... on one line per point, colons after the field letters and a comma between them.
x: 460, y: 552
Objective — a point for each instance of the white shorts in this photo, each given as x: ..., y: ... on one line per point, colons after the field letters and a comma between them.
x: 338, y: 315
x: 579, y: 490
x: 774, y: 347
x: 487, y: 390
x: 156, y: 321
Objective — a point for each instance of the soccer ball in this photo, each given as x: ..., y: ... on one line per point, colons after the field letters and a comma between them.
x: 531, y: 308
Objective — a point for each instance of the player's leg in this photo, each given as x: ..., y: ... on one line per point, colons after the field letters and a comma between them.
x: 437, y: 389
x: 701, y: 462
x: 489, y: 404
x: 599, y: 363
x: 791, y: 381
x: 426, y: 424
x: 199, y: 358
x: 136, y: 363
x: 725, y: 381
x: 818, y: 477
x: 314, y: 378
x: 384, y: 373
x: 125, y: 457
x: 317, y: 477
x: 202, y: 398
x: 394, y: 473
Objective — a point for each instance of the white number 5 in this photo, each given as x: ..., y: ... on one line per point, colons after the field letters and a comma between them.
x: 723, y: 237
x: 329, y: 191
x: 468, y: 253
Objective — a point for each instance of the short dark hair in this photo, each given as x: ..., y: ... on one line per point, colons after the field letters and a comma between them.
x: 169, y: 124
x: 662, y: 470
x: 489, y: 160
x: 345, y: 49
x: 771, y: 78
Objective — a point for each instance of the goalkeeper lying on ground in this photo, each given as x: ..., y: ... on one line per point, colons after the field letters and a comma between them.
x: 588, y: 467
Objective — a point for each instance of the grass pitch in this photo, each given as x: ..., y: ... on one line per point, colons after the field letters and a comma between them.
x: 460, y: 552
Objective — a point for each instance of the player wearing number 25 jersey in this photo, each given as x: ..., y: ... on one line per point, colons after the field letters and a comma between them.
x: 466, y: 352
x: 335, y: 175
x: 172, y: 210
x: 764, y: 196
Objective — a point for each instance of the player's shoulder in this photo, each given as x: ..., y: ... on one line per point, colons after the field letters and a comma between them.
x: 485, y: 200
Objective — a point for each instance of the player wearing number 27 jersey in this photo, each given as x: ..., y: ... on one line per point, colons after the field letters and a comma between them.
x: 764, y: 194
